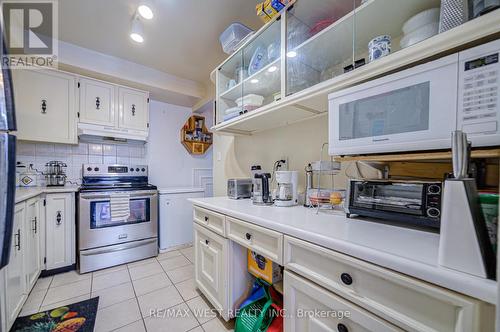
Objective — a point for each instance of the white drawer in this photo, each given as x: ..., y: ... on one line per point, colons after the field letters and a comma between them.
x: 406, y: 302
x: 259, y: 239
x: 311, y: 308
x: 210, y: 219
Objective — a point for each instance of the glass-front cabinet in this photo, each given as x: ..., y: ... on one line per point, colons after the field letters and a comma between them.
x: 313, y: 41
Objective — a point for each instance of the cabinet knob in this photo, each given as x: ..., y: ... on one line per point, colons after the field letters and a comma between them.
x: 133, y: 109
x: 44, y: 106
x: 35, y: 225
x: 248, y: 236
x: 207, y: 242
x: 58, y: 218
x: 17, y: 241
x: 206, y: 218
x: 342, y: 328
x: 97, y: 103
x: 346, y: 278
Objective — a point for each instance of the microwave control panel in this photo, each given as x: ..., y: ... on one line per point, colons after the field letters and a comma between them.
x: 479, y: 88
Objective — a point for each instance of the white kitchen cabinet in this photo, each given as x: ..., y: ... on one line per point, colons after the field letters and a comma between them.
x: 45, y: 106
x: 15, y: 276
x: 133, y: 109
x: 60, y: 230
x: 210, y: 267
x: 97, y: 102
x: 311, y: 308
x: 33, y: 231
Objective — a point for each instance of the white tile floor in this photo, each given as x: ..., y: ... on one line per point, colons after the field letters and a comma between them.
x: 128, y: 294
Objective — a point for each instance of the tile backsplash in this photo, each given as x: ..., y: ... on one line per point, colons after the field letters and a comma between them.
x: 74, y: 156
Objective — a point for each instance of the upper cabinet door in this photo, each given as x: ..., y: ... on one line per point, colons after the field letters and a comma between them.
x: 45, y: 106
x: 134, y: 109
x: 97, y: 102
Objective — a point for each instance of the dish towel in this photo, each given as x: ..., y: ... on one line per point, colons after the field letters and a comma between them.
x: 120, y: 206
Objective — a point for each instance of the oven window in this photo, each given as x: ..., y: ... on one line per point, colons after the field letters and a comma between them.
x: 399, y: 111
x: 100, y: 213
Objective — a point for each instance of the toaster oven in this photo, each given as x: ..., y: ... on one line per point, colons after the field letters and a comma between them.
x: 239, y: 188
x: 405, y: 203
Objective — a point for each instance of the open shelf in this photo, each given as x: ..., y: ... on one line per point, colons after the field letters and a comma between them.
x: 267, y: 81
x: 313, y: 101
x: 422, y: 156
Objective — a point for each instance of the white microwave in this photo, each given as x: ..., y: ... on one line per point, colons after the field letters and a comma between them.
x: 418, y: 108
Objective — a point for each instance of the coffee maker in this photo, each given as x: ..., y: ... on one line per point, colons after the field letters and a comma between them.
x: 287, y: 188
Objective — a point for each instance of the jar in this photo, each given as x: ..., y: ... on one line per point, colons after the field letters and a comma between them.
x: 379, y: 47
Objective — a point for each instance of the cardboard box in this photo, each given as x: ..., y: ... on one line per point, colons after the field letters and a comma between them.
x: 261, y: 13
x: 264, y: 268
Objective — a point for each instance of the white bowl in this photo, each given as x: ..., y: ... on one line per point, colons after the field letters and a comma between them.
x: 420, y: 34
x: 421, y: 19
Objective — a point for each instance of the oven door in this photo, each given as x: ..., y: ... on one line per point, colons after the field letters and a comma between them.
x: 97, y: 229
x: 410, y: 110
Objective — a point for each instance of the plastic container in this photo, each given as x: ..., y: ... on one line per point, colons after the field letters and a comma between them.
x: 232, y: 36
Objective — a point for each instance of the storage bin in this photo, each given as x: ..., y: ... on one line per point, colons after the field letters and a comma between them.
x: 232, y: 36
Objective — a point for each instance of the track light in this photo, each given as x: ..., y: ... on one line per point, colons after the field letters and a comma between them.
x: 136, y: 31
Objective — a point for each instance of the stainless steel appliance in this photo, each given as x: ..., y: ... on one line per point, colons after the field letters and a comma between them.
x: 287, y: 194
x: 7, y: 160
x: 465, y: 243
x: 117, y: 216
x: 418, y: 108
x: 407, y: 203
x: 239, y: 188
x: 55, y: 174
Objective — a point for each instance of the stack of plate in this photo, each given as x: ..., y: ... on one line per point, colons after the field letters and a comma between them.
x: 421, y: 26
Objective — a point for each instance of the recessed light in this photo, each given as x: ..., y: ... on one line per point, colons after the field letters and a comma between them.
x: 254, y: 81
x: 291, y: 54
x: 145, y: 11
x: 136, y: 32
x: 272, y: 69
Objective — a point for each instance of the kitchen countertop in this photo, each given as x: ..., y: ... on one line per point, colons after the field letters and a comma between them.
x: 24, y: 193
x: 407, y: 251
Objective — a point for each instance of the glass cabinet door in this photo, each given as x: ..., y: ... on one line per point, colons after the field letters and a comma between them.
x: 319, y: 42
x: 250, y: 78
x: 262, y: 60
x: 229, y: 87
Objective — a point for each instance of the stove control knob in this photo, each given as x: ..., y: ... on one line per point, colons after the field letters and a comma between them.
x: 137, y: 169
x: 131, y: 169
x: 96, y: 169
x: 144, y: 170
x: 89, y: 169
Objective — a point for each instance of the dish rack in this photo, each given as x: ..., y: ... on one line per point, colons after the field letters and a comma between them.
x: 320, y: 196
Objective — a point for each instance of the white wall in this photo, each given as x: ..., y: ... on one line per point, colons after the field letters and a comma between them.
x: 170, y: 164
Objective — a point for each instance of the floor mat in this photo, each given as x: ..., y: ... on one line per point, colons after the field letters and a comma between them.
x: 70, y: 318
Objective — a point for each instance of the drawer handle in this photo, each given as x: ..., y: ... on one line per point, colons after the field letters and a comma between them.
x: 133, y: 109
x: 35, y: 225
x: 248, y: 236
x: 346, y: 279
x: 206, y: 219
x: 207, y: 242
x: 342, y: 328
x: 97, y: 103
x: 17, y: 243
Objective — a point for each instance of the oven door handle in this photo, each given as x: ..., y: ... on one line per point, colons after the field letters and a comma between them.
x: 145, y: 193
x: 133, y: 245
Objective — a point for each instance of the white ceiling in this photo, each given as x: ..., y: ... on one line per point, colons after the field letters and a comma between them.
x: 182, y: 38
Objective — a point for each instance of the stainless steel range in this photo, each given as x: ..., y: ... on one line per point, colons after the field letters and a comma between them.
x: 117, y: 216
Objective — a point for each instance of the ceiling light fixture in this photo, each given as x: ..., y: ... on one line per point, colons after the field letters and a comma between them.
x: 136, y: 31
x: 291, y: 54
x: 272, y: 69
x: 145, y: 11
